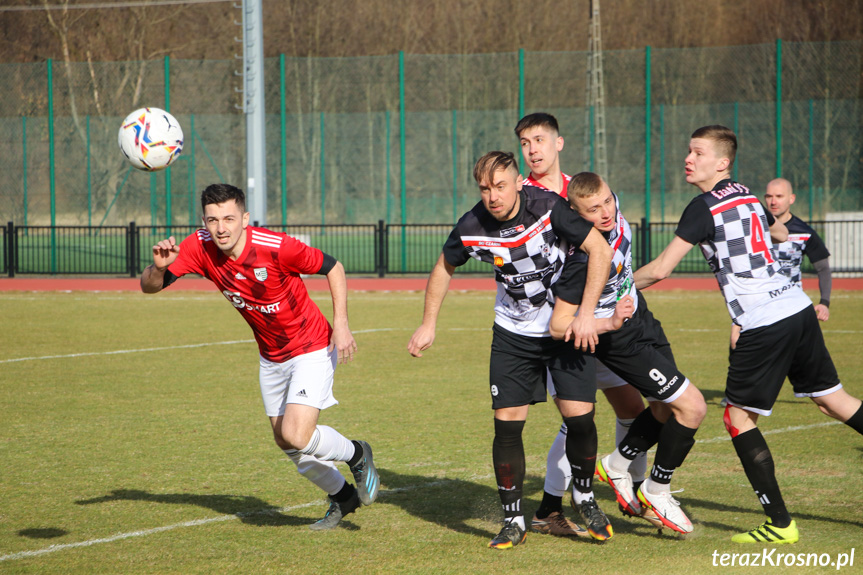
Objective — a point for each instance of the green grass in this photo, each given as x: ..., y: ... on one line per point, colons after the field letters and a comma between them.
x: 161, y: 460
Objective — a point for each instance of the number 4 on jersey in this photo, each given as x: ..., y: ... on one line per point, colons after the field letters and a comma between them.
x: 759, y: 245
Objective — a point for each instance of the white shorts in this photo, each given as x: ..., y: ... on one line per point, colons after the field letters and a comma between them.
x: 306, y: 379
x: 605, y: 379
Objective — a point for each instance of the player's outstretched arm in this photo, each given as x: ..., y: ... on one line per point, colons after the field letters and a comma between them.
x: 825, y: 284
x: 342, y: 339
x: 563, y: 318
x: 663, y: 265
x: 436, y: 288
x: 584, y: 332
x: 164, y: 254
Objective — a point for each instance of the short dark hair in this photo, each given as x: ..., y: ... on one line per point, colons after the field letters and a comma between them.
x: 490, y: 163
x: 539, y: 119
x: 724, y: 138
x: 583, y: 185
x: 221, y: 193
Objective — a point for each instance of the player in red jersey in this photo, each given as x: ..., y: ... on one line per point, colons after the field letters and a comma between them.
x: 258, y: 271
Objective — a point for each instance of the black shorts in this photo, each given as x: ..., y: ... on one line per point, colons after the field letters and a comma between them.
x: 792, y: 347
x: 519, y: 364
x: 640, y: 353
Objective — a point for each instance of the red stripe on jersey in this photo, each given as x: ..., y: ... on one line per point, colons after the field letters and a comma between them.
x: 537, y: 228
x: 799, y: 237
x: 732, y: 204
x: 619, y: 236
x: 531, y: 182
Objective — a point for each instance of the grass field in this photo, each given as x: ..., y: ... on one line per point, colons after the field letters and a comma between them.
x: 133, y: 440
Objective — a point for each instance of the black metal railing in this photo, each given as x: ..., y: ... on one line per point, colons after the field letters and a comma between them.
x: 370, y: 249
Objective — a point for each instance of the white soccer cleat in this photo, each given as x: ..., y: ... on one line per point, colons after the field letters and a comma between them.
x: 667, y: 510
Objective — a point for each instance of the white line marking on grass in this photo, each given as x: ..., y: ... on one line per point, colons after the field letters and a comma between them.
x: 193, y: 345
x: 773, y: 431
x: 145, y: 532
x: 122, y: 351
x: 195, y: 523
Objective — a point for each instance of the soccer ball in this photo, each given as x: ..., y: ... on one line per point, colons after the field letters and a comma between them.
x: 151, y: 139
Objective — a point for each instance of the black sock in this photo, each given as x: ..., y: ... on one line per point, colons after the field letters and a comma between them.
x: 507, y: 454
x: 855, y: 422
x: 581, y: 445
x: 358, y: 454
x: 642, y: 435
x: 344, y: 493
x: 758, y: 466
x: 550, y: 504
x: 675, y: 441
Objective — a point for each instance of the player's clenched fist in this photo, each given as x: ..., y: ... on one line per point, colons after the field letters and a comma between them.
x: 422, y: 339
x: 165, y: 252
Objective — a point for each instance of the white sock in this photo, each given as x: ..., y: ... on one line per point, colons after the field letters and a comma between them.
x: 557, y: 469
x: 638, y: 466
x: 617, y: 462
x: 653, y: 487
x: 519, y: 519
x: 327, y: 444
x: 322, y: 473
x: 580, y: 497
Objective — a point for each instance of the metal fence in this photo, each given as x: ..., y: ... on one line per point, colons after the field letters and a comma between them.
x: 379, y: 249
x: 394, y: 138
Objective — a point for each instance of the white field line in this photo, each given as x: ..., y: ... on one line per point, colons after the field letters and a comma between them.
x: 271, y: 511
x: 194, y: 345
x: 195, y: 523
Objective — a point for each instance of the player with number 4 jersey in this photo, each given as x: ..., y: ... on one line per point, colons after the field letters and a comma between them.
x: 779, y: 331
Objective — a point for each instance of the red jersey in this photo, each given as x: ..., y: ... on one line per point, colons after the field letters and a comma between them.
x: 264, y: 285
x: 529, y: 181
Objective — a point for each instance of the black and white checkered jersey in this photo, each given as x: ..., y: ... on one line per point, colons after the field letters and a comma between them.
x: 570, y: 286
x: 526, y: 254
x: 732, y: 228
x: 802, y: 240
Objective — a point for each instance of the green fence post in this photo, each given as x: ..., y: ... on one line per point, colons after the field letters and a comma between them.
x: 590, y: 135
x: 24, y: 158
x: 811, y: 156
x: 647, y: 134
x: 661, y: 162
x: 323, y: 177
x: 387, y: 146
x: 89, y: 179
x: 520, y: 84
x: 191, y: 156
x: 154, y: 201
x: 403, y: 179
x: 737, y: 133
x: 168, y: 198
x: 283, y: 135
x: 778, y: 107
x: 454, y: 166
x: 51, y: 167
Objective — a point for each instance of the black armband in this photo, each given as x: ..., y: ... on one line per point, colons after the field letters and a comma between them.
x: 168, y: 279
x: 327, y: 265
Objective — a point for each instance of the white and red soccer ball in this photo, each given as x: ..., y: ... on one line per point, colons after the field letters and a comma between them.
x: 151, y: 139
